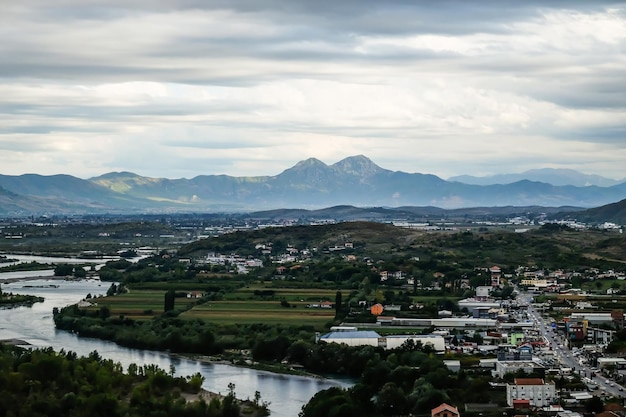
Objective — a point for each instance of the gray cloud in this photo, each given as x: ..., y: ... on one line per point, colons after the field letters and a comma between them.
x: 454, y: 84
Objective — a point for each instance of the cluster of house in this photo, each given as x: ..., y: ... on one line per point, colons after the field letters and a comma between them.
x: 514, y: 353
x: 241, y: 264
x: 521, y: 393
x: 532, y: 390
x: 558, y: 280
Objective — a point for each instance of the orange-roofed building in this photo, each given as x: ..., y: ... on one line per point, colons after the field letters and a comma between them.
x: 445, y: 410
x: 377, y: 309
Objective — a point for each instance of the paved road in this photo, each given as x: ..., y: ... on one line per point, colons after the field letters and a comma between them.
x: 564, y: 355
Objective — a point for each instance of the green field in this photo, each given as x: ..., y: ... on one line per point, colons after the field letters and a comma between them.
x: 244, y: 307
x: 268, y: 312
x: 238, y: 307
x: 289, y: 294
x: 138, y: 303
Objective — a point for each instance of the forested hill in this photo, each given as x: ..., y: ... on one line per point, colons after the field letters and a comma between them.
x: 369, y: 236
x: 554, y: 245
x: 615, y: 213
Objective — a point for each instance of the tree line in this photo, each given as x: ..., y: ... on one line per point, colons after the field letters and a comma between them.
x: 42, y: 382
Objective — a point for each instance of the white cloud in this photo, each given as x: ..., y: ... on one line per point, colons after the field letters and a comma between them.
x: 231, y: 87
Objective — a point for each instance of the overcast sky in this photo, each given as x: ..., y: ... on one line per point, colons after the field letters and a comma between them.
x: 176, y: 89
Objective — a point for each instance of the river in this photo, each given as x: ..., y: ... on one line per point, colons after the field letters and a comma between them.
x: 286, y: 393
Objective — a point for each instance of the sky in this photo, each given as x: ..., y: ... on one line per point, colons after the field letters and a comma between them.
x: 176, y: 89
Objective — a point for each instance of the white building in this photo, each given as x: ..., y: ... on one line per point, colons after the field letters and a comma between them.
x: 371, y: 338
x: 618, y: 363
x: 352, y: 337
x: 472, y: 303
x: 505, y: 367
x: 535, y: 390
x: 594, y: 318
x: 483, y: 292
x: 435, y: 341
x: 442, y: 323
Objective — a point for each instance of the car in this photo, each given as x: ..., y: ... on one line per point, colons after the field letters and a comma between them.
x: 606, y: 381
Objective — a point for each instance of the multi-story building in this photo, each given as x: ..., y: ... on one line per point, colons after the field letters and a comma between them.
x: 535, y: 390
x: 599, y: 336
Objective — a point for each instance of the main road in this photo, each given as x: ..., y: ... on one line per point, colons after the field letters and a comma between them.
x: 564, y: 354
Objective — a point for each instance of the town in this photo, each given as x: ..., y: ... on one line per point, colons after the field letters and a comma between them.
x: 539, y: 331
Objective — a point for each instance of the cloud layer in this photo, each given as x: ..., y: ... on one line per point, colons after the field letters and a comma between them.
x: 184, y: 88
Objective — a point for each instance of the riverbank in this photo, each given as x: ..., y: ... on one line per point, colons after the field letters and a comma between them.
x: 250, y: 408
x: 246, y: 362
x: 12, y: 301
x: 38, y: 277
x: 14, y: 342
x: 286, y: 393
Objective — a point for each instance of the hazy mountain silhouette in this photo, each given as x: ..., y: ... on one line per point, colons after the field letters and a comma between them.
x: 548, y: 175
x: 310, y: 184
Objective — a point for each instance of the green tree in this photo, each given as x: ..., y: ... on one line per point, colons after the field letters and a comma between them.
x: 338, y: 301
x: 170, y: 299
x: 334, y: 402
x: 112, y: 290
x: 79, y: 272
x: 594, y: 405
x: 62, y: 270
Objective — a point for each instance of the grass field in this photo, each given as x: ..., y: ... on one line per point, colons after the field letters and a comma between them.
x: 138, y: 304
x: 238, y: 307
x: 244, y: 307
x: 288, y: 294
x: 270, y: 312
x: 241, y: 306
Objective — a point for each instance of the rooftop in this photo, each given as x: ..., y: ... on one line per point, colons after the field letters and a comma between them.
x: 444, y: 407
x: 529, y: 381
x: 358, y: 334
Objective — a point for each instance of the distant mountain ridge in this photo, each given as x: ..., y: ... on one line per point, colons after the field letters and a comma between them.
x: 559, y: 177
x: 309, y: 184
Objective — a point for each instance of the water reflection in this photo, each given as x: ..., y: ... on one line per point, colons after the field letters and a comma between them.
x: 286, y: 393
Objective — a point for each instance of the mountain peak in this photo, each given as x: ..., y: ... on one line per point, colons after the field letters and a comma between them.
x: 310, y: 171
x: 358, y: 165
x: 115, y: 175
x: 310, y: 163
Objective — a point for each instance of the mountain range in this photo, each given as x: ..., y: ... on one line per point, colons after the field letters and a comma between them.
x: 310, y: 184
x: 548, y: 175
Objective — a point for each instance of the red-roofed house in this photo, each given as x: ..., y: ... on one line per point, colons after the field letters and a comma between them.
x: 445, y: 410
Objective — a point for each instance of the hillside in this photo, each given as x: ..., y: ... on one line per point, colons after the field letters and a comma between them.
x: 407, y: 213
x: 615, y: 212
x: 551, y: 246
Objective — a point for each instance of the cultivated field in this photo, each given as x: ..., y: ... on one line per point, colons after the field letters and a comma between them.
x: 239, y: 307
x: 268, y: 312
x: 138, y: 304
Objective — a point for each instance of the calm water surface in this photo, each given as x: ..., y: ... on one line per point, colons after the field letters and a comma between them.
x: 286, y: 393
